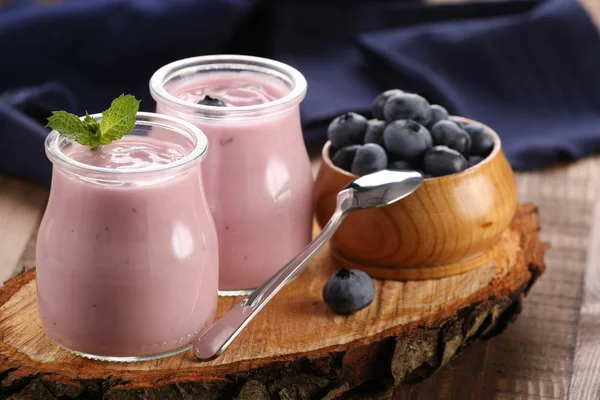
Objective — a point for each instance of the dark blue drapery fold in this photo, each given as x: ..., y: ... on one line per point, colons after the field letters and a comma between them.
x: 528, y: 68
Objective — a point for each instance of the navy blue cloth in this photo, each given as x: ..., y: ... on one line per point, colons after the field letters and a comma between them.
x: 23, y: 115
x: 527, y: 68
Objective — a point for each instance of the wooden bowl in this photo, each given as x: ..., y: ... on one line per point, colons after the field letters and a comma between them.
x: 449, y: 225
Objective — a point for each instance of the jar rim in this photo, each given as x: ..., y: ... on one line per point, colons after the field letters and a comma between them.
x: 256, y: 64
x: 58, y: 157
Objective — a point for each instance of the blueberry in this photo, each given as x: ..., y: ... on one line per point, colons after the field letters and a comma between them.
x: 399, y: 165
x: 347, y: 129
x: 407, y: 139
x: 407, y: 106
x: 380, y: 100
x: 438, y: 113
x: 451, y: 134
x: 348, y: 291
x: 442, y: 160
x: 344, y: 157
x: 369, y: 158
x: 374, y: 132
x: 473, y: 160
x: 212, y: 101
x: 482, y: 142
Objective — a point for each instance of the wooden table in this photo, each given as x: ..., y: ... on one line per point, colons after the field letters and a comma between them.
x: 553, y: 349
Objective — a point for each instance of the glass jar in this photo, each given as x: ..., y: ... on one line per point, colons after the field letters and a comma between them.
x: 258, y: 174
x: 127, y: 258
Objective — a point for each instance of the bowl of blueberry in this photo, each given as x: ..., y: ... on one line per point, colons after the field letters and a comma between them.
x: 456, y: 218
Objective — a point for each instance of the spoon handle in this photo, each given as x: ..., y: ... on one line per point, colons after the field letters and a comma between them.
x: 219, y: 336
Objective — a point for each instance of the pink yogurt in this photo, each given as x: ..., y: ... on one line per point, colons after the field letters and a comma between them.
x: 127, y: 251
x: 258, y: 175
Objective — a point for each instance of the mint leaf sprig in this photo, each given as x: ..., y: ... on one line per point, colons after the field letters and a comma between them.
x: 116, y: 122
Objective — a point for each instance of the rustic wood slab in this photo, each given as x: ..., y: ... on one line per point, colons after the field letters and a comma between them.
x: 296, y: 348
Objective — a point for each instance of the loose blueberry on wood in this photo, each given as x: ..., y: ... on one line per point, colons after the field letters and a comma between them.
x: 344, y: 157
x: 374, y: 132
x: 438, y: 113
x: 451, y: 134
x: 407, y: 106
x: 369, y: 158
x: 212, y: 101
x: 482, y: 142
x: 348, y: 291
x: 400, y: 165
x: 379, y: 102
x: 474, y: 160
x: 407, y: 139
x: 347, y: 129
x: 441, y: 160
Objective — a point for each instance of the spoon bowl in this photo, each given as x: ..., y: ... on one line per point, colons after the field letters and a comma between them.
x: 382, y: 188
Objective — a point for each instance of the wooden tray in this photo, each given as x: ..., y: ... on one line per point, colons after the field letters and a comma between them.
x: 296, y: 348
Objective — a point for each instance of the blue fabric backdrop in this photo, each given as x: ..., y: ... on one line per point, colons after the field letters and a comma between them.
x: 528, y: 68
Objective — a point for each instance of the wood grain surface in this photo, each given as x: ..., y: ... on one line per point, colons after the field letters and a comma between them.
x: 409, y: 331
x: 534, y: 359
x: 21, y: 208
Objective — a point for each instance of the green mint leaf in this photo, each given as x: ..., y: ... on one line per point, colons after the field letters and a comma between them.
x: 70, y: 126
x: 116, y: 122
x: 91, y: 124
x: 119, y: 119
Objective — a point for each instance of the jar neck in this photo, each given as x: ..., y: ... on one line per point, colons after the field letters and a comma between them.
x: 148, y: 126
x: 191, y: 69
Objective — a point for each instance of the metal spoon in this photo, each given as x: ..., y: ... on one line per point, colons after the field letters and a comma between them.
x: 373, y: 190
